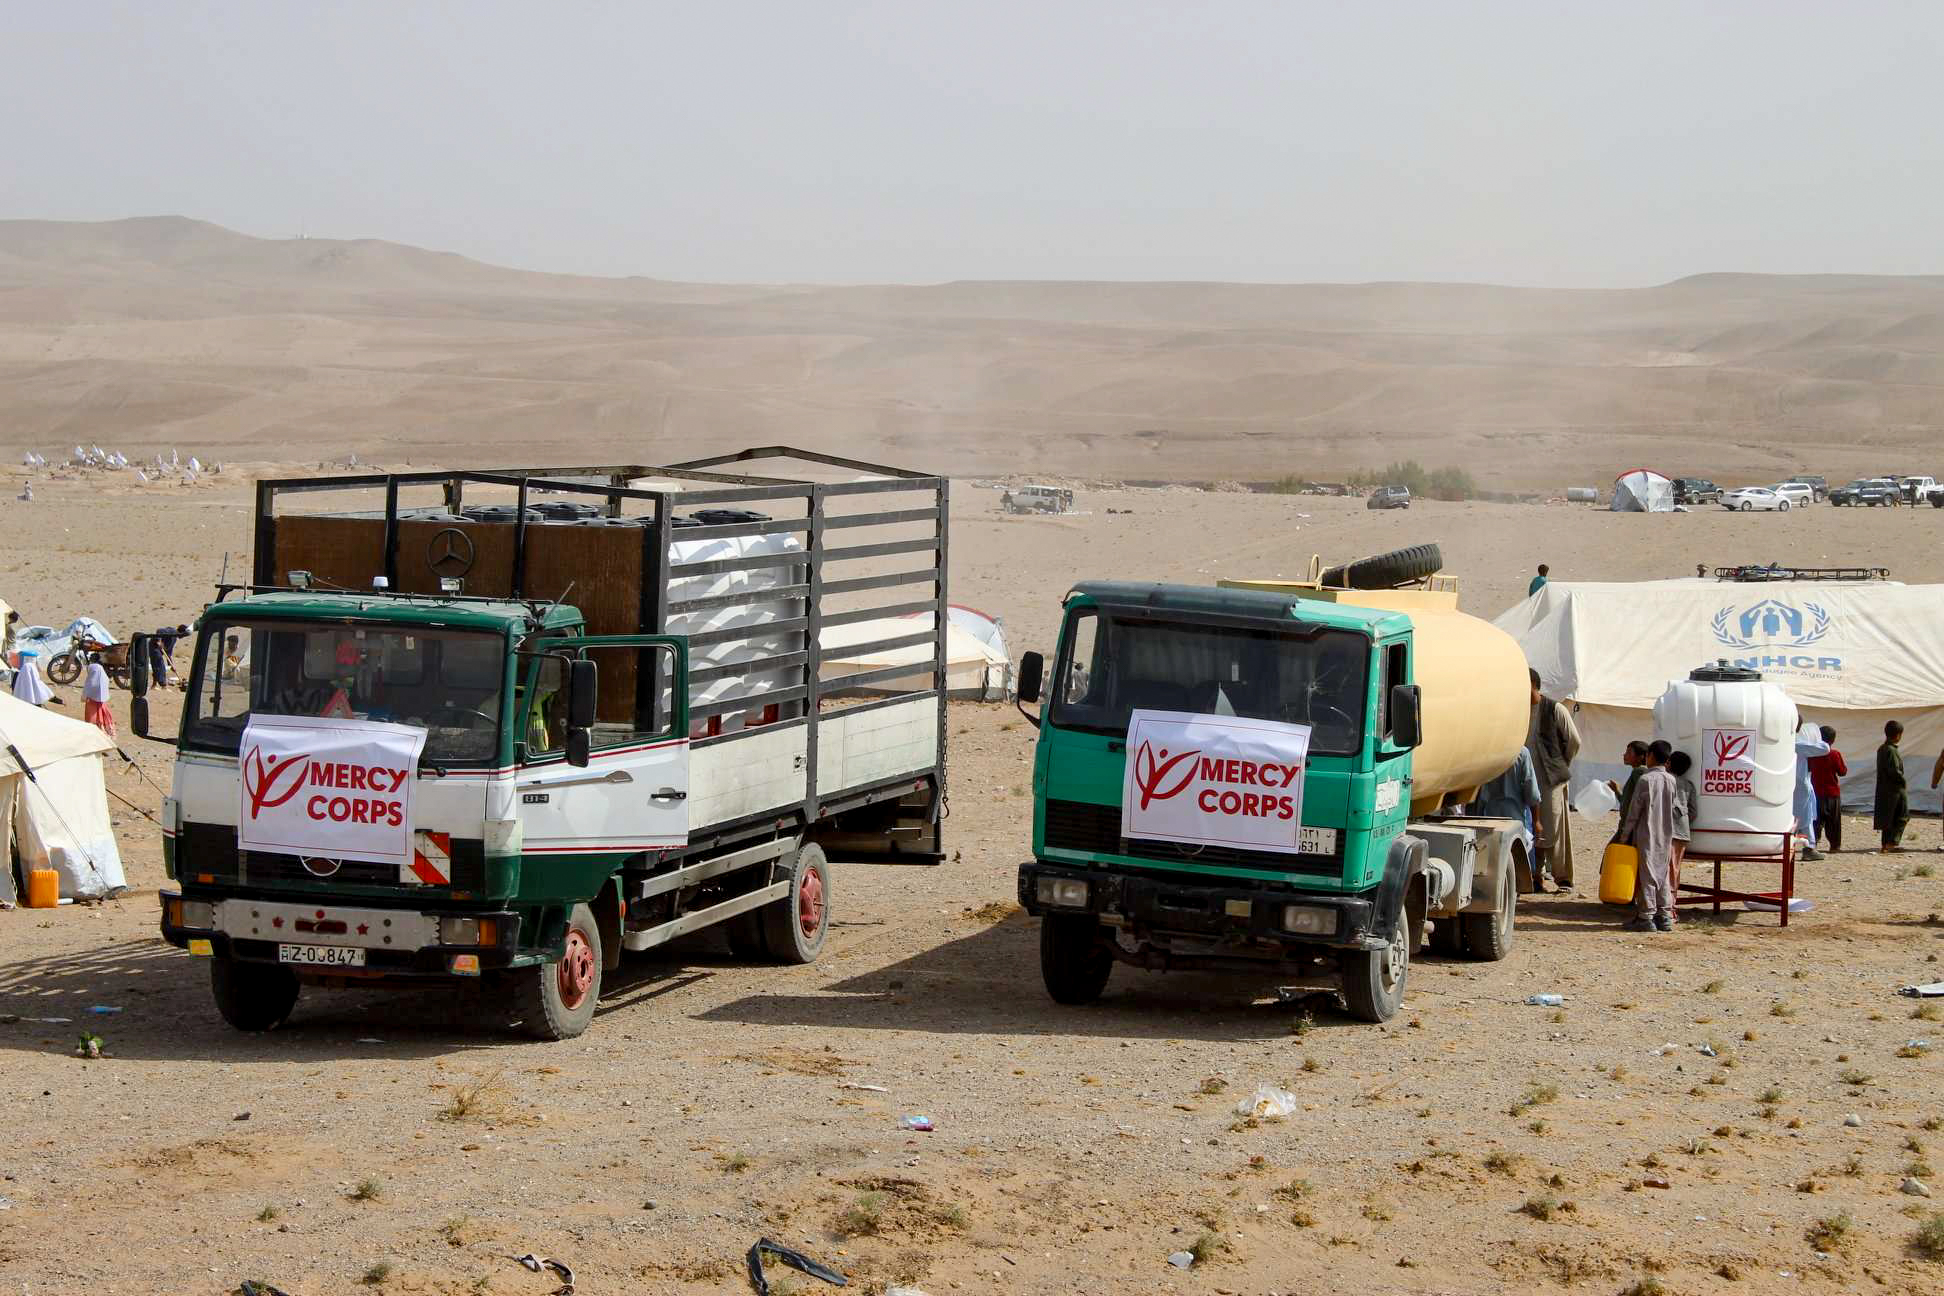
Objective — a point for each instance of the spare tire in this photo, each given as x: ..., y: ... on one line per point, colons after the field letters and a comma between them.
x: 1388, y: 570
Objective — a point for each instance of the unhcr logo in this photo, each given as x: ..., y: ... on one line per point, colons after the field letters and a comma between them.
x: 1775, y: 623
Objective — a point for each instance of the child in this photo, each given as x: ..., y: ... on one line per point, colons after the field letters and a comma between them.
x: 1825, y: 775
x: 1892, y: 792
x: 94, y: 694
x: 1686, y: 802
x: 1649, y: 825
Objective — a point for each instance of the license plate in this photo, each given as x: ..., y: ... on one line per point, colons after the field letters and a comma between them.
x: 321, y: 955
x: 1317, y: 841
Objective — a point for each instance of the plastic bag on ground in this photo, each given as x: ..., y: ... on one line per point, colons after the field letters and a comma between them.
x: 1594, y: 800
x: 1267, y: 1103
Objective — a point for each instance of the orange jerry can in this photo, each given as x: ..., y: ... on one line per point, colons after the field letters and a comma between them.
x: 43, y: 888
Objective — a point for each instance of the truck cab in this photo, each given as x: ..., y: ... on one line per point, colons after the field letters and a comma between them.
x: 1304, y: 862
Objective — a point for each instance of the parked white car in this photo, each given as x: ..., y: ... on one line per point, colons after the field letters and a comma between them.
x: 1755, y: 499
x: 1800, y: 494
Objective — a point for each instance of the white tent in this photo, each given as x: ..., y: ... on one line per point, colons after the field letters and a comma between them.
x: 1850, y: 654
x: 58, y: 818
x: 974, y: 667
x: 1642, y: 490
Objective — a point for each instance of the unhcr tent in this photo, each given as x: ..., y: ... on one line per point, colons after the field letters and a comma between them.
x: 1642, y: 490
x: 975, y: 667
x: 58, y: 817
x: 1850, y: 654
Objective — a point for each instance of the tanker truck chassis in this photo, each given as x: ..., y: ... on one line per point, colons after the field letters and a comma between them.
x: 1190, y: 737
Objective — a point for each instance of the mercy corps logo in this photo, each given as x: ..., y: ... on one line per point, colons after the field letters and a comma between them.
x: 269, y: 783
x: 1160, y: 776
x: 1773, y: 623
x: 1729, y: 774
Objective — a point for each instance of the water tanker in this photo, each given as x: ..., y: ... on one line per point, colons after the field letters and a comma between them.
x: 1259, y: 777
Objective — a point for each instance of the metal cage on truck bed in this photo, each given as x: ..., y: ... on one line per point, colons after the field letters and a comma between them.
x: 749, y: 569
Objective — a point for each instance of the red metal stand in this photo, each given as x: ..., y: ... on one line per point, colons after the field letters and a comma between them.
x: 1715, y: 894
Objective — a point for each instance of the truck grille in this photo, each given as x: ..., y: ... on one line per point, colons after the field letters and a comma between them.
x: 211, y: 849
x: 1095, y: 829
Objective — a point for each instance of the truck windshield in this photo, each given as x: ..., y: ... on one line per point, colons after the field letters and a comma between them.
x: 447, y: 682
x: 1111, y: 666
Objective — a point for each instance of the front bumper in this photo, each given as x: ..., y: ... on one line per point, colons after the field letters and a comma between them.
x: 398, y: 942
x: 1208, y: 911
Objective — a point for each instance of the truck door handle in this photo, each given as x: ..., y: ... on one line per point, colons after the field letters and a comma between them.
x: 577, y: 780
x: 669, y: 794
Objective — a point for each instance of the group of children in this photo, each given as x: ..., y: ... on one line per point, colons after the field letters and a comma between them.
x: 1657, y: 809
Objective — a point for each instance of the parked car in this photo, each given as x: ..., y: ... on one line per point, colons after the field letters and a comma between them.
x: 1818, y: 484
x: 1871, y: 491
x: 1754, y: 499
x: 1389, y: 497
x: 1036, y: 499
x: 1916, y: 489
x: 1800, y: 494
x: 1937, y: 497
x: 1695, y: 490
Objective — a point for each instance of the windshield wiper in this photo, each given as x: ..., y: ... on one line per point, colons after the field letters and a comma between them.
x: 431, y: 767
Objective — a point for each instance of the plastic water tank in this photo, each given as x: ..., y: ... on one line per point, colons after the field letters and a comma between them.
x: 1739, y: 730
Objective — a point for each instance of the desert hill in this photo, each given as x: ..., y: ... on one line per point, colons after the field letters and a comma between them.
x: 163, y: 331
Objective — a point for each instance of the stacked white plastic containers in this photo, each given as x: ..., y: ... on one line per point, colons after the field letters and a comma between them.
x: 1739, y: 730
x: 756, y: 611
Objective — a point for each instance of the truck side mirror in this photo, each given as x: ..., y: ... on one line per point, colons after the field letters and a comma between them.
x: 1032, y: 674
x: 1406, y: 715
x: 583, y: 690
x: 138, y: 665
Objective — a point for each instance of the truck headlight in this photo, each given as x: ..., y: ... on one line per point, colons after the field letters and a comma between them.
x: 458, y: 931
x: 1070, y: 893
x: 1307, y: 920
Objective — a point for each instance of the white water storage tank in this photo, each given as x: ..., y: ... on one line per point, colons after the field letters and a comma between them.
x: 1739, y: 730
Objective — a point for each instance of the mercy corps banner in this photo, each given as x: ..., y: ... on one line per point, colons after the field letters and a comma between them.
x: 341, y: 789
x: 1215, y: 780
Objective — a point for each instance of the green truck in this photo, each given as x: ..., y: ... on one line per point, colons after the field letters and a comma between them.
x: 544, y: 716
x: 1267, y: 777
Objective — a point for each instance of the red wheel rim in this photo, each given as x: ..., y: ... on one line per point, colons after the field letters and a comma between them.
x: 576, y: 975
x: 810, y: 902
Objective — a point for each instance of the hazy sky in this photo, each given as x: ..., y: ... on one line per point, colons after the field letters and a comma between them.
x: 1546, y: 143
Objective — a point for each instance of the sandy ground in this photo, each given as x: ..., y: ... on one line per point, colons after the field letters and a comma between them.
x: 1074, y: 1149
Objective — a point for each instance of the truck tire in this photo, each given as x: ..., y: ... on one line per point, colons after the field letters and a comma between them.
x: 1072, y: 962
x: 1373, y: 980
x: 252, y: 996
x: 1388, y: 570
x: 556, y: 1000
x: 1488, y: 936
x: 794, y: 927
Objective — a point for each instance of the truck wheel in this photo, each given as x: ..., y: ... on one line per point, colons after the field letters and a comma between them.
x: 795, y: 926
x: 556, y: 1000
x: 745, y: 932
x: 253, y: 996
x: 1388, y: 570
x: 1072, y: 962
x: 1488, y: 936
x: 1373, y: 980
